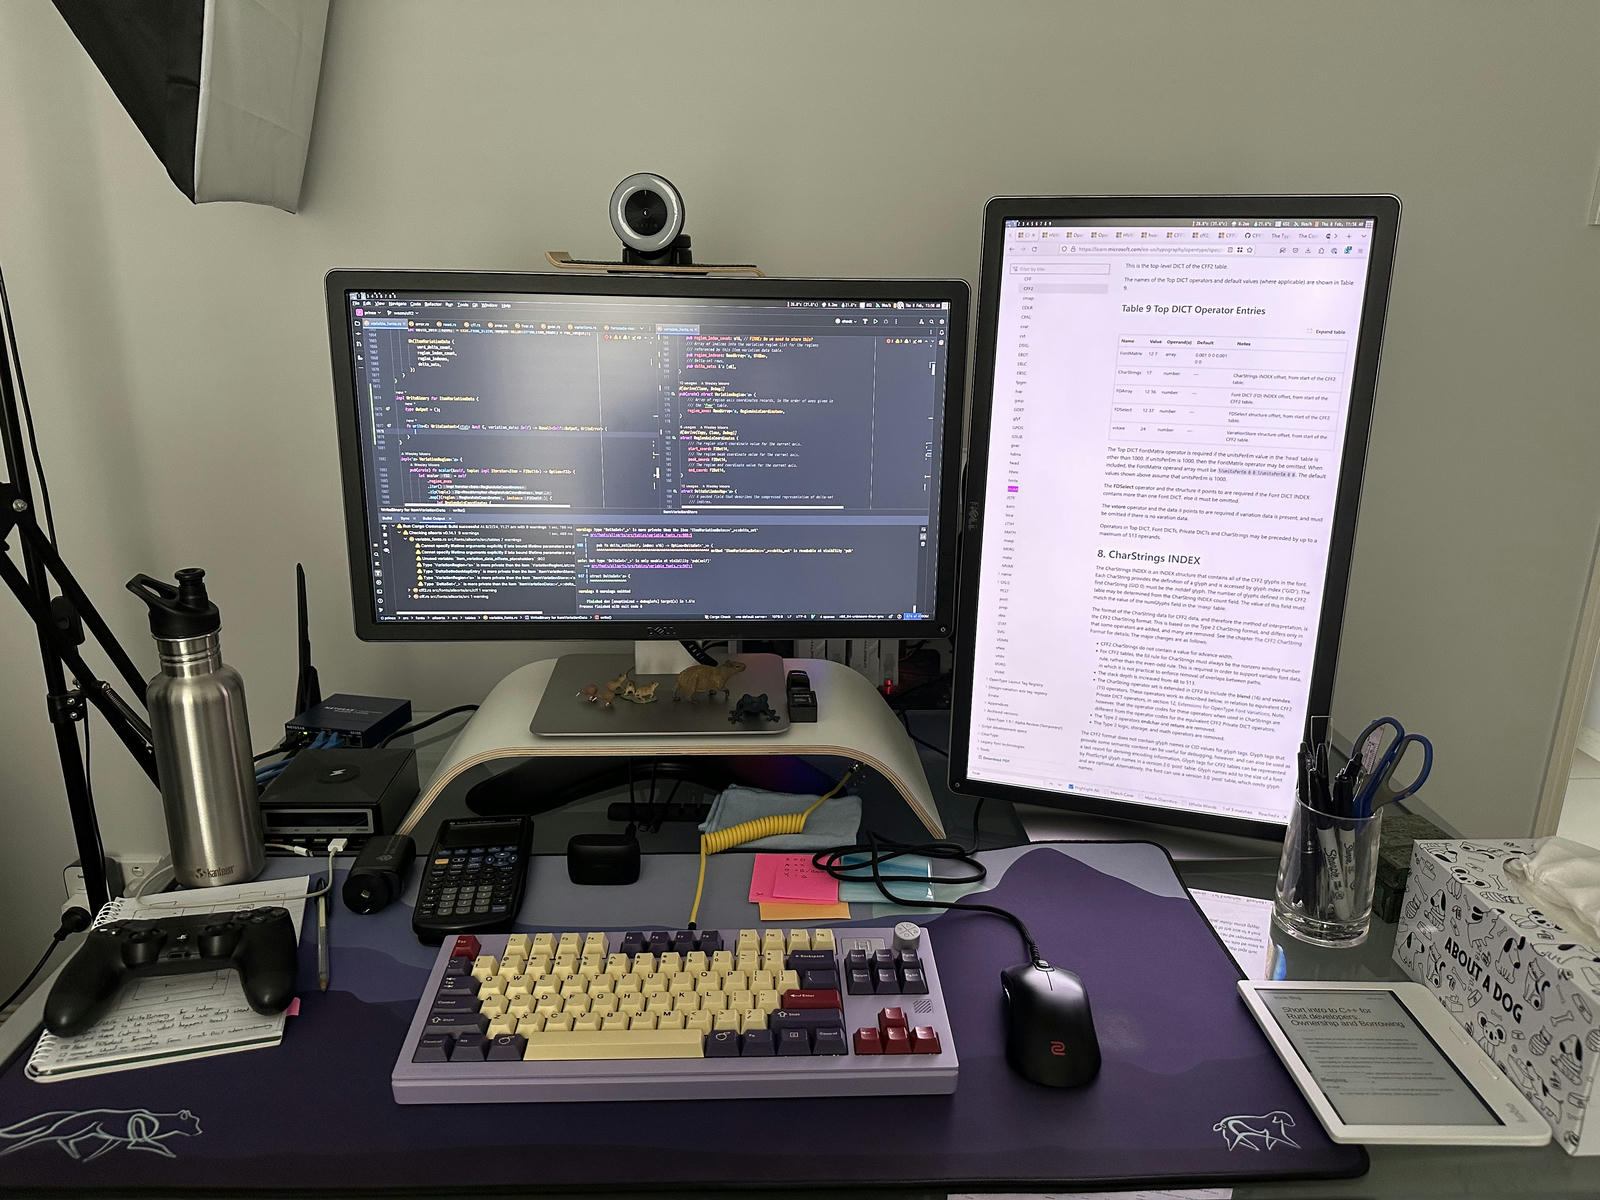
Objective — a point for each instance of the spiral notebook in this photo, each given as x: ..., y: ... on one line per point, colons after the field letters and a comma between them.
x: 175, y: 1017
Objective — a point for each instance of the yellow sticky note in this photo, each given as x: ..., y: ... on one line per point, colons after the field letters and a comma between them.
x: 804, y: 912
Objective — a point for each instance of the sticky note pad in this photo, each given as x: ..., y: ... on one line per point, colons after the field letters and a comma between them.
x: 794, y: 878
x: 778, y: 910
x: 863, y: 891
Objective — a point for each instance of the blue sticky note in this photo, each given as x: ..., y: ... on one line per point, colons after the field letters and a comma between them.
x: 865, y: 891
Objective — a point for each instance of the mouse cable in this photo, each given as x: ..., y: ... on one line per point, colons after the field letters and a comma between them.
x: 879, y: 850
x: 73, y: 920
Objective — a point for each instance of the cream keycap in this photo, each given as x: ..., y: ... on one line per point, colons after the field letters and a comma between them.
x: 642, y: 1021
x: 628, y: 985
x: 592, y: 965
x: 588, y: 1023
x: 574, y: 985
x: 493, y: 1007
x: 656, y: 985
x: 539, y: 964
x: 671, y: 963
x: 614, y: 1023
x: 569, y: 943
x: 748, y: 940
x: 631, y: 1005
x: 519, y: 944
x: 822, y: 939
x: 681, y: 985
x: 735, y: 981
x: 788, y: 981
x: 799, y: 939
x: 617, y: 966
x: 576, y: 1005
x: 505, y: 1023
x: 708, y: 981
x: 772, y: 961
x: 762, y: 981
x: 658, y: 1003
x: 492, y: 987
x: 740, y: 1000
x: 621, y: 1043
x: 699, y: 1022
x: 529, y: 1025
x: 672, y: 1020
x: 605, y: 1002
x: 768, y: 1001
x: 713, y: 1001
x: 548, y: 1006
x: 512, y: 964
x: 686, y: 1002
x: 544, y: 944
x: 520, y: 985
x: 772, y: 942
x: 644, y: 965
x: 596, y: 943
x: 752, y: 1018
x: 485, y: 966
x: 747, y: 961
x: 560, y: 1023
x: 522, y: 1006
x: 722, y: 961
x: 725, y: 1020
x: 695, y: 962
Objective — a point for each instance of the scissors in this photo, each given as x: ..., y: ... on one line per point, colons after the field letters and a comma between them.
x: 1379, y: 750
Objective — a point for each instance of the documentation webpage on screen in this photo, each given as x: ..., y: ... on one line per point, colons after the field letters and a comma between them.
x: 1170, y: 403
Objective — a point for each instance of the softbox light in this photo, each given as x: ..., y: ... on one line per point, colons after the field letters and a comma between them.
x: 223, y: 90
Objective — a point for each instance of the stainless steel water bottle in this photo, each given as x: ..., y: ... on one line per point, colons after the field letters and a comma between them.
x: 202, y: 740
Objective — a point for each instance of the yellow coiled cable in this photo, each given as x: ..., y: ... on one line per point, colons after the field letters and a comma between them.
x: 719, y: 840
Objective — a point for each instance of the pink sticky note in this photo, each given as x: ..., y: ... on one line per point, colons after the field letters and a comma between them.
x: 294, y: 1008
x: 761, y: 877
x: 797, y: 880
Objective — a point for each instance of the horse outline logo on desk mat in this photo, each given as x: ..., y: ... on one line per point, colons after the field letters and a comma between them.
x: 1256, y: 1132
x: 129, y: 1128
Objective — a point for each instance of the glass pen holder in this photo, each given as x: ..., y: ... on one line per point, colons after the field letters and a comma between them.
x: 1326, y: 877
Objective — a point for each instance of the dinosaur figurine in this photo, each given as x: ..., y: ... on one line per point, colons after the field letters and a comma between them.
x: 709, y: 680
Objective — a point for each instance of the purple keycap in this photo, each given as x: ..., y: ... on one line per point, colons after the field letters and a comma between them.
x: 819, y: 981
x: 883, y: 960
x: 885, y: 983
x: 470, y: 1047
x: 855, y: 960
x: 682, y: 942
x: 660, y: 942
x: 433, y: 1047
x: 508, y: 1047
x: 810, y: 960
x: 758, y: 1044
x: 858, y: 981
x: 455, y: 1003
x: 710, y: 941
x: 632, y: 943
x: 829, y: 1041
x: 913, y: 982
x: 805, y: 1018
x: 793, y: 1043
x: 458, y: 966
x: 458, y: 985
x: 724, y: 1043
x: 456, y: 1023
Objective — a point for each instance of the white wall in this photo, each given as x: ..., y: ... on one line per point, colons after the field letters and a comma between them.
x: 177, y: 356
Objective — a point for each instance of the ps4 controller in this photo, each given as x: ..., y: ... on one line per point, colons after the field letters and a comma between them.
x: 259, y: 943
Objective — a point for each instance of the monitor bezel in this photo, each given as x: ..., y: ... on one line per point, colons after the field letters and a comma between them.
x: 1384, y: 212
x: 341, y: 281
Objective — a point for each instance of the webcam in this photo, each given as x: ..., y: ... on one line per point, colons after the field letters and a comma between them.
x: 647, y: 214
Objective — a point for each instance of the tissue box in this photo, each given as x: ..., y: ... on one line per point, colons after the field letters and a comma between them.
x: 1526, y: 991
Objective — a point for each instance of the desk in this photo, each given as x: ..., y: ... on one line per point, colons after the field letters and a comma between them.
x: 1395, y: 1171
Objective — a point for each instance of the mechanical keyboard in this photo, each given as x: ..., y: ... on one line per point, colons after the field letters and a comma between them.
x: 679, y: 1015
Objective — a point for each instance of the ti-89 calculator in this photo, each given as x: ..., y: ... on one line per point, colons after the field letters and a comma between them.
x: 473, y: 879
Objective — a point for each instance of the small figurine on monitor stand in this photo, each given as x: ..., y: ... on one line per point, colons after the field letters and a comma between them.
x: 752, y: 707
x: 640, y: 693
x: 595, y: 693
x: 709, y: 679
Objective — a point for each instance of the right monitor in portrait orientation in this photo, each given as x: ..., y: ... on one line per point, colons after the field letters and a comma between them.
x: 1171, y: 402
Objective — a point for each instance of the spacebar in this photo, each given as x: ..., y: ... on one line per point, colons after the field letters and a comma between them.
x: 619, y: 1043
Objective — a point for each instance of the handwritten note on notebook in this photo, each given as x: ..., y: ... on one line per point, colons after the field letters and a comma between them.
x: 175, y: 1017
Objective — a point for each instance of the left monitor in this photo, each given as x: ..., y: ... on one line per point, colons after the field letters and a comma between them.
x: 549, y: 456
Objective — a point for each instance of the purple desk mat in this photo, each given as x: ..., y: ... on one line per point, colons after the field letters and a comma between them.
x: 1190, y: 1091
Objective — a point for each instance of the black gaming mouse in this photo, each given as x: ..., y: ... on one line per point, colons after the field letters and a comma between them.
x: 1049, y: 1032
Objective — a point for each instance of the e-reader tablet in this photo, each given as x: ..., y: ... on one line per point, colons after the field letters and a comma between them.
x: 1385, y: 1063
